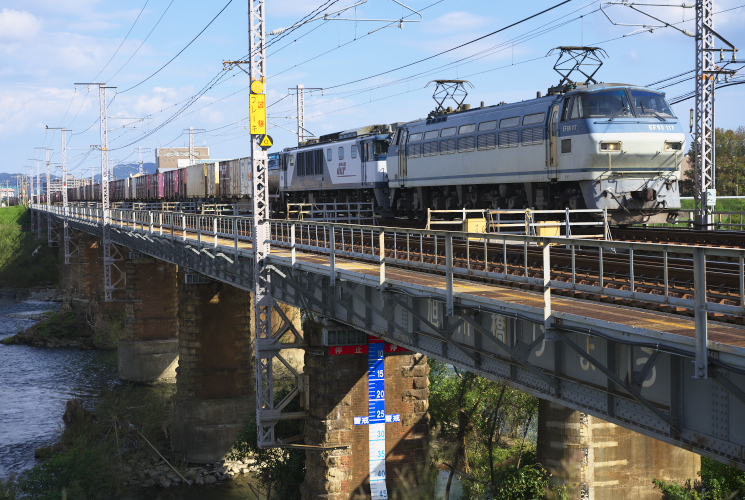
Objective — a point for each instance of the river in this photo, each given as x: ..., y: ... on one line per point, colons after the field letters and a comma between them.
x: 36, y: 383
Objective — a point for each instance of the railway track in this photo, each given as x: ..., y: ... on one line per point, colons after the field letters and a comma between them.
x: 723, y: 239
x: 608, y: 270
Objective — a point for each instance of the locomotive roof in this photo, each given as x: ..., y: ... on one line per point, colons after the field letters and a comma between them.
x: 547, y: 98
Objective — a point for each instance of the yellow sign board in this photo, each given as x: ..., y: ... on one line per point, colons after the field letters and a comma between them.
x: 266, y: 142
x: 258, y: 113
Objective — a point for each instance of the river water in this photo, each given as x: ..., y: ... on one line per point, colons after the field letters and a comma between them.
x: 36, y: 383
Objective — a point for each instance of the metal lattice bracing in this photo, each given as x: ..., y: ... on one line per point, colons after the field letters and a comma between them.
x: 110, y: 253
x: 266, y: 347
x: 706, y: 69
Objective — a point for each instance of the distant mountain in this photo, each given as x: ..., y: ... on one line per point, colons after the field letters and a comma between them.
x: 124, y: 170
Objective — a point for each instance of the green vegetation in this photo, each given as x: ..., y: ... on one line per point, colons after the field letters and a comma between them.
x: 722, y: 205
x: 71, y: 328
x: 8, y: 489
x: 279, y: 471
x: 91, y: 459
x: 485, y: 432
x: 718, y: 482
x: 24, y: 259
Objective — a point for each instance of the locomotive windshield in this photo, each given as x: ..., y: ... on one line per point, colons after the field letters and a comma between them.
x: 616, y: 103
x: 651, y: 104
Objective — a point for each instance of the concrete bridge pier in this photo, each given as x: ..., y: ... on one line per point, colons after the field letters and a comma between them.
x: 339, y: 468
x: 148, y: 351
x: 215, y: 374
x: 599, y: 460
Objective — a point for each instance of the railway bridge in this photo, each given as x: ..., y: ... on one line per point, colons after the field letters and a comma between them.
x: 636, y: 350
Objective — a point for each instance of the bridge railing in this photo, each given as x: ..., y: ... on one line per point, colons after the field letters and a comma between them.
x: 541, y: 263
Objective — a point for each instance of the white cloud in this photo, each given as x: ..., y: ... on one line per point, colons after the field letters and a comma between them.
x: 24, y: 109
x: 18, y: 25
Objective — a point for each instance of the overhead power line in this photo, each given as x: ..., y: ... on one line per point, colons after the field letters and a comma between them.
x: 180, y: 51
x: 143, y: 42
x: 121, y: 44
x: 452, y: 48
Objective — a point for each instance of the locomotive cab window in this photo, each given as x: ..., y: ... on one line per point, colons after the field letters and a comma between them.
x: 432, y: 134
x: 651, y: 104
x: 572, y: 109
x: 341, y: 152
x: 329, y: 155
x: 354, y: 151
x: 415, y: 137
x: 380, y: 147
x: 605, y: 104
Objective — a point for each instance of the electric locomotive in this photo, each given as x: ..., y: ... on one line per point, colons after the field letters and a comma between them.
x: 601, y: 146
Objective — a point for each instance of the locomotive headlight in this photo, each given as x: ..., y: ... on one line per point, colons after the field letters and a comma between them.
x: 610, y: 146
x: 673, y: 146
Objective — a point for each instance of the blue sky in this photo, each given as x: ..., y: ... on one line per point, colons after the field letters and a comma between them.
x: 46, y: 46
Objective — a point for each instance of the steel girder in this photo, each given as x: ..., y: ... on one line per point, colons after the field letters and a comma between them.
x: 638, y: 378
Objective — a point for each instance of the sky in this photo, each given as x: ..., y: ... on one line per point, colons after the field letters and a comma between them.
x: 165, y: 60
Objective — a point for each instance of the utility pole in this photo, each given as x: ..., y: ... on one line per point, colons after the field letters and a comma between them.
x: 65, y: 206
x: 192, y: 131
x: 266, y: 350
x: 301, y: 130
x: 705, y: 174
x: 140, y: 149
x: 108, y: 251
x: 32, y: 193
x: 708, y: 71
x: 49, y: 195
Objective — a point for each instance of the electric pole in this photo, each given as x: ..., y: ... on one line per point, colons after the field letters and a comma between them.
x: 301, y: 130
x: 65, y: 206
x: 140, y: 149
x: 49, y: 197
x: 192, y: 131
x: 108, y: 252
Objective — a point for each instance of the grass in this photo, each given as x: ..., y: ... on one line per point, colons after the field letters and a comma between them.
x: 98, y: 448
x: 24, y: 259
x: 722, y: 205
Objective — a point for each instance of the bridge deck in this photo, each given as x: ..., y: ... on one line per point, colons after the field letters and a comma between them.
x: 719, y: 333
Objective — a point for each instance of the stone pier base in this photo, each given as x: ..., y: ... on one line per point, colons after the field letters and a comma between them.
x: 215, y: 377
x: 148, y: 362
x: 203, y: 431
x: 599, y: 460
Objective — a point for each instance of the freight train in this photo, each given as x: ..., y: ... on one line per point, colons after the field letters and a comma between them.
x: 612, y: 146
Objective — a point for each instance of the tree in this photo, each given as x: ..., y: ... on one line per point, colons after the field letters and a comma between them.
x: 730, y: 164
x: 489, y: 434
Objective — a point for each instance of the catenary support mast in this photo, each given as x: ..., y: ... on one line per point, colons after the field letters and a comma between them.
x: 706, y: 73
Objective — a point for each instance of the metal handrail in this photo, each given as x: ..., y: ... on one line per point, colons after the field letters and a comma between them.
x: 435, y: 251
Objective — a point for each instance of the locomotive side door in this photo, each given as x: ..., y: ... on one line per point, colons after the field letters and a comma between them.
x: 553, y: 144
x: 364, y: 158
x: 403, y: 167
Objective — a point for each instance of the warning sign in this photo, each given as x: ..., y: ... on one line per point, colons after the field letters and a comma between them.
x: 266, y: 142
x: 258, y: 113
